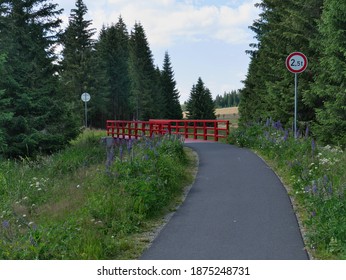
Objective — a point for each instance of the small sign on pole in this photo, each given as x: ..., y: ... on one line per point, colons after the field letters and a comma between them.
x: 296, y: 63
x: 86, y: 98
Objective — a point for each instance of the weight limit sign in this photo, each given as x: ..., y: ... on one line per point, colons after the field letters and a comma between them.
x: 296, y: 62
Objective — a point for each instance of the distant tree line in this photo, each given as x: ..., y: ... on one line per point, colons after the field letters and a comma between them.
x: 316, y: 28
x: 40, y: 89
x: 228, y: 99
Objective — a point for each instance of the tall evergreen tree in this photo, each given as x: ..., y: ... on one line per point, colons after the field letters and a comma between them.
x: 172, y: 108
x: 113, y: 53
x: 283, y: 27
x: 200, y: 104
x: 145, y: 101
x: 330, y: 84
x: 5, y: 112
x: 77, y: 70
x: 40, y: 120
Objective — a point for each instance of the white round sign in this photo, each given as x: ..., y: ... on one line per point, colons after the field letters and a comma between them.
x: 296, y: 62
x: 85, y: 97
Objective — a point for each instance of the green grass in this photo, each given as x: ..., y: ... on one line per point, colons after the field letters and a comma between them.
x: 89, y: 201
x: 315, y: 178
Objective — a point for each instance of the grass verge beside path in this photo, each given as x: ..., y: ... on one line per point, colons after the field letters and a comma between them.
x: 315, y: 178
x: 90, y: 201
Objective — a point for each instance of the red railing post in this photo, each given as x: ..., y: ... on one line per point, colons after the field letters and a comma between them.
x: 186, y: 132
x: 216, y: 131
x: 205, y: 137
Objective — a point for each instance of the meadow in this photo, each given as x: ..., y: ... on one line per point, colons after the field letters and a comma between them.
x: 94, y: 200
x: 315, y: 178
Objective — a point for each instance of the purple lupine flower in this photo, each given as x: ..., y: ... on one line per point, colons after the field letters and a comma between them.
x: 313, y: 214
x: 313, y: 145
x: 33, y: 241
x: 121, y: 153
x: 278, y: 125
x: 286, y: 135
x: 314, y: 187
x: 307, y: 132
x: 268, y: 122
x: 5, y: 224
x: 129, y: 145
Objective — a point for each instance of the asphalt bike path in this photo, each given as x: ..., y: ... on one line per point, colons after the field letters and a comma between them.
x: 237, y: 209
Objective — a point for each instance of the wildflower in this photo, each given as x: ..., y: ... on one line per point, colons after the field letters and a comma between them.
x: 24, y: 216
x: 32, y: 241
x: 25, y: 198
x: 121, y: 153
x: 39, y: 189
x: 5, y: 224
x: 78, y: 186
x: 314, y: 187
x: 313, y: 145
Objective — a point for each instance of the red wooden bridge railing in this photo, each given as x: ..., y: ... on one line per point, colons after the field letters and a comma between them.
x: 196, y: 129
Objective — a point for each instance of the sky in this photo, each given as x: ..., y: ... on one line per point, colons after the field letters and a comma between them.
x: 204, y: 38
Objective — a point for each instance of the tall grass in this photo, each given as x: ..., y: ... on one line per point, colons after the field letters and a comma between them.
x: 89, y: 201
x: 315, y: 176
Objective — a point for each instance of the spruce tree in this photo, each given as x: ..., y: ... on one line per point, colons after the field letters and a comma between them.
x: 200, y: 104
x: 77, y: 69
x: 113, y: 55
x: 143, y: 99
x: 330, y: 85
x: 172, y: 109
x: 283, y: 27
x: 38, y: 119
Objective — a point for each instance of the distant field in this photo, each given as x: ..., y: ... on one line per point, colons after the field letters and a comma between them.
x: 231, y: 114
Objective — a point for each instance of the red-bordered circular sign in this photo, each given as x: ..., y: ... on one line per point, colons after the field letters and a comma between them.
x: 296, y: 62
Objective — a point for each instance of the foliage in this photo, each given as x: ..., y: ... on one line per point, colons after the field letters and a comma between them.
x: 330, y: 126
x: 146, y: 101
x: 76, y: 71
x: 172, y: 109
x: 112, y: 63
x: 316, y: 179
x: 283, y: 27
x: 37, y: 116
x: 200, y: 104
x: 71, y: 206
x: 230, y: 99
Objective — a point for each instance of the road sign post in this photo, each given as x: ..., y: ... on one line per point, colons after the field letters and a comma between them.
x: 86, y: 98
x: 296, y: 63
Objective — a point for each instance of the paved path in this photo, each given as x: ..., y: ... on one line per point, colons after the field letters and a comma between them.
x: 236, y: 209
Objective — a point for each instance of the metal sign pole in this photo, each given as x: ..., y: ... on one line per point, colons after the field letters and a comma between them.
x: 86, y: 98
x: 296, y: 63
x: 295, y: 103
x: 86, y: 114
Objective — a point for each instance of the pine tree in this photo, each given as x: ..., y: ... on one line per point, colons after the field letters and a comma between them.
x: 200, y: 105
x: 39, y: 119
x: 77, y: 69
x: 172, y: 109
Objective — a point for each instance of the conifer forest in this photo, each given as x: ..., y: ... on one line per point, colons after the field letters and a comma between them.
x: 44, y: 70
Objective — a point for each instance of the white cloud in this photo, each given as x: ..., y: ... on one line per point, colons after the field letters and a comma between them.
x: 167, y: 22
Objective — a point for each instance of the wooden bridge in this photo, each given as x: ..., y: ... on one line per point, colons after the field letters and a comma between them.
x: 190, y: 129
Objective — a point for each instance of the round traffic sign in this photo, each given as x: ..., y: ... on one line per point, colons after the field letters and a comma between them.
x: 296, y: 62
x: 85, y: 97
